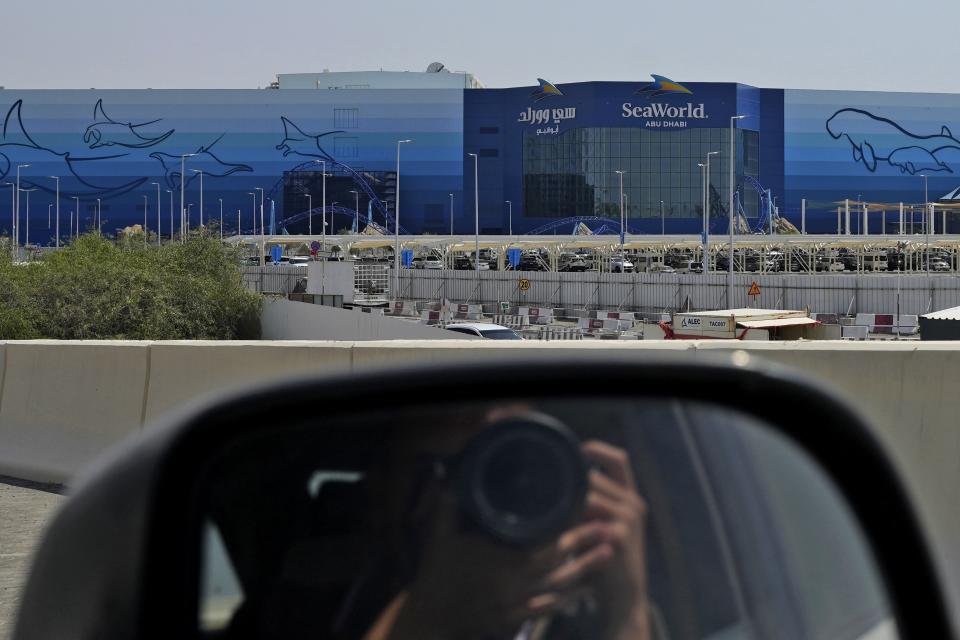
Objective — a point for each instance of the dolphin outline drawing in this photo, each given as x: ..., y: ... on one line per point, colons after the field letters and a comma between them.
x: 16, y: 109
x: 94, y: 137
x: 903, y: 157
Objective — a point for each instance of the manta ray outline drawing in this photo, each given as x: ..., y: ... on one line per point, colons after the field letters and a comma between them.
x: 171, y: 164
x: 870, y: 136
x: 15, y: 138
x: 107, y: 132
x: 297, y: 142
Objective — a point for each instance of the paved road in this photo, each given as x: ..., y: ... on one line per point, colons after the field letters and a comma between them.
x: 26, y: 511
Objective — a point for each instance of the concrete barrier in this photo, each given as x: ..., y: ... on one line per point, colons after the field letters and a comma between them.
x: 63, y: 406
x: 63, y: 403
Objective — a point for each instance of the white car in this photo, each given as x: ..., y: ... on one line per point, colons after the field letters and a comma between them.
x: 431, y: 262
x: 485, y: 330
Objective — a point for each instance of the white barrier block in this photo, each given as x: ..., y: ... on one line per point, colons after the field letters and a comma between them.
x: 857, y: 332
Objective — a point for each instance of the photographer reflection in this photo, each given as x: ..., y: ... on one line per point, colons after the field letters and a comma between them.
x: 522, y: 532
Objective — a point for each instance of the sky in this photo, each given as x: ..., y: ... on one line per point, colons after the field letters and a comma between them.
x: 819, y: 44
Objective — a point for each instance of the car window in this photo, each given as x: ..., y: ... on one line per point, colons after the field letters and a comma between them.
x: 465, y: 330
x: 390, y: 523
x: 500, y: 334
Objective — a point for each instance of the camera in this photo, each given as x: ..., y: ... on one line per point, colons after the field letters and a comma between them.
x: 523, y: 480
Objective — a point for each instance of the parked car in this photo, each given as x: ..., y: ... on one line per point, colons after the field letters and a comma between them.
x: 659, y: 267
x: 485, y: 330
x: 574, y: 263
x: 621, y: 264
x: 431, y: 262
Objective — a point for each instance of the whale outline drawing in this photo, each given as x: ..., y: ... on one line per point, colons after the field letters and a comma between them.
x: 919, y: 153
x: 103, y: 124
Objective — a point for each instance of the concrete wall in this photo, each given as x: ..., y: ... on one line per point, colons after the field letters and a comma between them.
x: 285, y: 320
x: 63, y: 403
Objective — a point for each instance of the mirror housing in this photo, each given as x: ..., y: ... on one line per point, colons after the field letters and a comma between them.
x: 123, y: 543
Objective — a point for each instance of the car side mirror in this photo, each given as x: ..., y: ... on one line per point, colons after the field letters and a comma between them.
x: 660, y: 499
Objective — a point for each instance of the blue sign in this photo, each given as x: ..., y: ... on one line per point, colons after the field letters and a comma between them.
x: 406, y: 257
x: 513, y: 257
x: 276, y: 252
x: 315, y: 246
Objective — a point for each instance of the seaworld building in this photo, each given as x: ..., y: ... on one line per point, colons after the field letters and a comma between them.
x: 541, y: 158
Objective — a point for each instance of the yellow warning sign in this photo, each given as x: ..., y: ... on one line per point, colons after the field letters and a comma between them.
x: 524, y: 284
x: 754, y: 289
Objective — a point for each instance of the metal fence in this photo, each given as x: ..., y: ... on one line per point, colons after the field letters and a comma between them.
x: 650, y: 292
x: 281, y: 279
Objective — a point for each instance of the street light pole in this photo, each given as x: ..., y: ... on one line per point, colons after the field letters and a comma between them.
x: 323, y: 207
x: 171, y: 214
x: 263, y: 229
x: 310, y: 213
x: 144, y: 219
x: 706, y: 214
x: 183, y: 180
x: 200, y: 171
x: 451, y: 214
x: 356, y: 212
x: 510, y: 217
x: 99, y: 218
x: 57, y: 178
x: 157, y: 185
x: 663, y: 221
x: 13, y: 212
x: 730, y: 211
x: 254, y: 194
x: 221, y: 218
x: 476, y: 213
x: 26, y: 239
x: 926, y: 220
x: 396, y: 226
x: 16, y: 223
x: 77, y: 200
x: 622, y: 220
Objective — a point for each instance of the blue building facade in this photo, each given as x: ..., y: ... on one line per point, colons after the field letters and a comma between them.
x: 541, y: 157
x: 118, y: 146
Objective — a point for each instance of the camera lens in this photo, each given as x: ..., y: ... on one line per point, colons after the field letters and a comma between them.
x: 523, y: 479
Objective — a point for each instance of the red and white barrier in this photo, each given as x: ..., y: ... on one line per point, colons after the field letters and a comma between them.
x: 888, y: 323
x: 616, y: 315
x: 537, y: 315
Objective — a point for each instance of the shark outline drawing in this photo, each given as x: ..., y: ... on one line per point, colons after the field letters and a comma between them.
x: 918, y: 153
x: 106, y: 132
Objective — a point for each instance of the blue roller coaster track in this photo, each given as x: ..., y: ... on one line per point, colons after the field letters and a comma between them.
x: 358, y: 179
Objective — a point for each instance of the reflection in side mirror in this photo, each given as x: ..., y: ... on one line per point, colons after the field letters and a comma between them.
x: 650, y: 501
x: 611, y: 518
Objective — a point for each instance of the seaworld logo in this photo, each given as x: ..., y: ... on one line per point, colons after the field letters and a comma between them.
x: 660, y: 110
x: 545, y: 89
x: 662, y: 85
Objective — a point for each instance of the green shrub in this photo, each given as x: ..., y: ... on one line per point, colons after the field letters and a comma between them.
x: 98, y: 289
